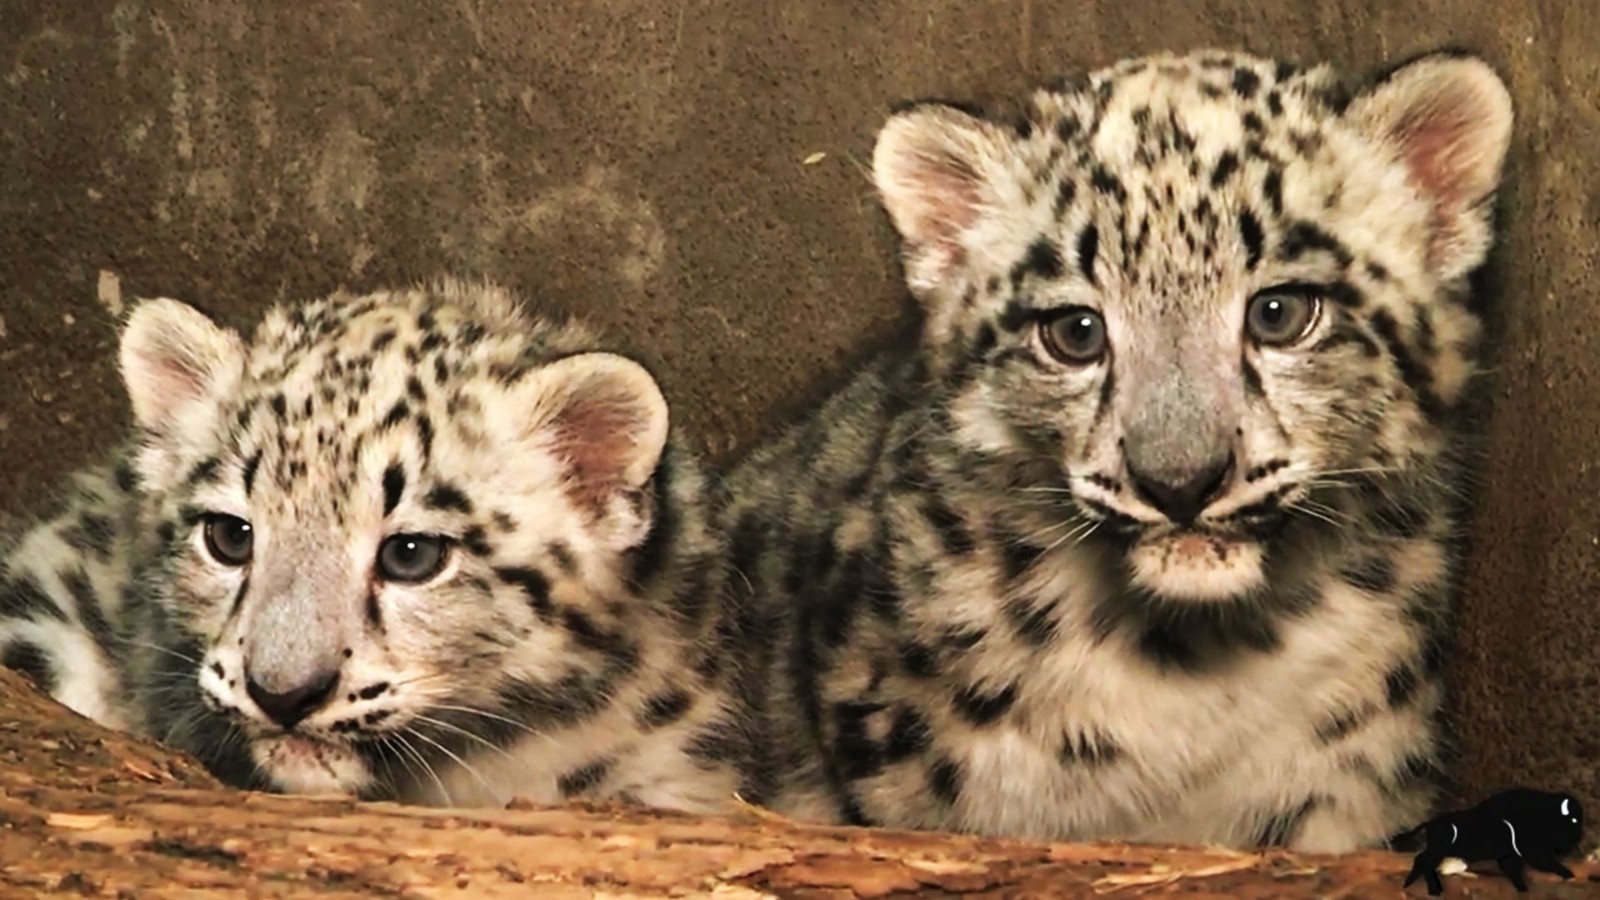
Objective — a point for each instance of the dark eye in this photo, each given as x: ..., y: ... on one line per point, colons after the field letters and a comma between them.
x: 1076, y: 336
x: 229, y: 539
x: 411, y: 558
x: 1281, y: 316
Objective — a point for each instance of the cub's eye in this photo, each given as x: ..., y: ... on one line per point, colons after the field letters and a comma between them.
x: 1282, y: 316
x: 1076, y: 336
x: 411, y: 558
x: 229, y: 539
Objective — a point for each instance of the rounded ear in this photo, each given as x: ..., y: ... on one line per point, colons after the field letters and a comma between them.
x: 604, y: 416
x: 171, y: 355
x: 936, y: 168
x: 1448, y: 118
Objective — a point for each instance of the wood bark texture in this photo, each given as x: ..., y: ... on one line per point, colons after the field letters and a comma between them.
x: 88, y: 812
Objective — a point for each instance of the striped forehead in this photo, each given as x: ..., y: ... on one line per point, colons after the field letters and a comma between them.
x: 325, y: 416
x: 1136, y: 118
x: 1170, y: 175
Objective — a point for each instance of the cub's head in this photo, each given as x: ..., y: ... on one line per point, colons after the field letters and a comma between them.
x: 389, y: 529
x: 1202, y: 296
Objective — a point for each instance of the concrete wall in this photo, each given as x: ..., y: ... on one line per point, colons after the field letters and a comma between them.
x: 645, y: 164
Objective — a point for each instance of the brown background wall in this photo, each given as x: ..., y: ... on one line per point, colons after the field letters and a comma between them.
x: 644, y: 164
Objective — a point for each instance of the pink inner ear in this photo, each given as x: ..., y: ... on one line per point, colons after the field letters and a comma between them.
x: 170, y: 378
x: 1446, y: 157
x: 950, y: 196
x: 1433, y: 145
x: 595, y: 435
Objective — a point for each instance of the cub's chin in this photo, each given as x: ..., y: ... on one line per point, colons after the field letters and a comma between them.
x: 1197, y: 566
x: 294, y: 764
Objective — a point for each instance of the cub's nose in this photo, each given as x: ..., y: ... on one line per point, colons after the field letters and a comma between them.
x: 289, y: 707
x: 1181, y: 496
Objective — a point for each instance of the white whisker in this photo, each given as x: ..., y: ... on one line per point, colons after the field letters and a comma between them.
x: 523, y: 726
x: 440, y: 723
x: 458, y: 761
x: 1076, y: 536
x: 423, y: 762
x: 147, y: 645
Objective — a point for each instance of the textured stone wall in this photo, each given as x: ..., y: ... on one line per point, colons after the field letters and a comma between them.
x: 691, y: 175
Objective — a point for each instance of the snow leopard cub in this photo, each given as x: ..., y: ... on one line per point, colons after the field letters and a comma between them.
x: 1150, y: 538
x: 411, y: 545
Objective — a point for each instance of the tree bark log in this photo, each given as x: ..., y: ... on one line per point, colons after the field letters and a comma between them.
x: 86, y: 811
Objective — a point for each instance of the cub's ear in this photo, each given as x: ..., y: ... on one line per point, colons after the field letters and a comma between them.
x: 1448, y: 118
x: 939, y: 171
x: 173, y: 358
x: 176, y: 364
x: 604, y: 417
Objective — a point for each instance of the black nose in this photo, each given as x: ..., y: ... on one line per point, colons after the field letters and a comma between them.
x: 287, y: 708
x: 1182, y: 497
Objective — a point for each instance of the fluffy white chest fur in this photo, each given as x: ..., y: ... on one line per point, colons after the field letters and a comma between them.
x: 1103, y: 742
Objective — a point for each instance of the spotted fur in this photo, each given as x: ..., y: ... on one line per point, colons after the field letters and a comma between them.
x: 1167, y: 579
x: 566, y: 645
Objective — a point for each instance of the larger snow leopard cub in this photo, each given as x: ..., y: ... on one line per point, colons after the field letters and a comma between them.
x: 410, y: 545
x: 1151, y: 537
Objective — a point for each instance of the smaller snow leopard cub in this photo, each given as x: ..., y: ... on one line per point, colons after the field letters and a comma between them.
x: 411, y: 545
x: 1151, y: 536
